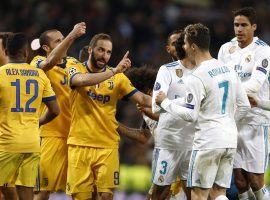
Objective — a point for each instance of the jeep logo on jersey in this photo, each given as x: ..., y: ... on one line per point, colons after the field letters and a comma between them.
x: 157, y: 86
x: 72, y: 71
x: 99, y: 97
x: 265, y: 63
x: 189, y: 97
x: 179, y: 72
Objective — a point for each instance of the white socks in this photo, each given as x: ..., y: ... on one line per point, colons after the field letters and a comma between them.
x: 221, y: 197
x: 262, y: 194
x: 248, y: 195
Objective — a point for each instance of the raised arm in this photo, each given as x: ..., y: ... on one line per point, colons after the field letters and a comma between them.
x: 60, y: 51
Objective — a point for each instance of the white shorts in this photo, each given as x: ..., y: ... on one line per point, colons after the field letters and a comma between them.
x: 252, y: 148
x: 207, y: 167
x: 168, y: 164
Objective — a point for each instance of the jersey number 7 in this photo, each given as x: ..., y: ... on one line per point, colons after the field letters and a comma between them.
x: 225, y: 85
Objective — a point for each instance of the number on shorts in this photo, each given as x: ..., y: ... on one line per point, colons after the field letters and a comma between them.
x: 116, y: 178
x: 164, y: 167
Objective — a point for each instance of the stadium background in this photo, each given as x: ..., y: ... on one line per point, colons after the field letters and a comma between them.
x: 142, y: 28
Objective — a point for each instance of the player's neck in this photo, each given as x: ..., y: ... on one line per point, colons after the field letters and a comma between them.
x: 17, y: 60
x: 187, y: 63
x: 202, y: 56
x: 244, y: 44
x: 93, y: 68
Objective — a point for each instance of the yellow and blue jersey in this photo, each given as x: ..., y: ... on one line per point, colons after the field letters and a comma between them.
x: 93, y: 109
x: 59, y: 127
x: 22, y: 90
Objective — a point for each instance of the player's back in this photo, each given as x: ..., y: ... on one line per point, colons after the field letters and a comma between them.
x: 215, y: 125
x: 22, y: 89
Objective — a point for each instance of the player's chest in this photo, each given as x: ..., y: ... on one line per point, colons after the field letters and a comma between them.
x: 177, y: 86
x: 243, y: 63
x: 58, y: 77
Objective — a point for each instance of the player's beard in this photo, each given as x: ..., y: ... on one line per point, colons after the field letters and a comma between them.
x: 94, y: 62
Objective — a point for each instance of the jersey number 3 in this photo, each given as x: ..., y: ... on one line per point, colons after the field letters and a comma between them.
x: 28, y: 84
x: 225, y: 85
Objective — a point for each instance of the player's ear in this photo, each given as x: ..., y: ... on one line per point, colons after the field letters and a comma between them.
x: 254, y: 27
x: 90, y: 50
x: 167, y: 49
x: 45, y: 48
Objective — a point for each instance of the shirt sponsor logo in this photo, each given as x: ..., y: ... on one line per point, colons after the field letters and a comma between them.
x: 99, y: 97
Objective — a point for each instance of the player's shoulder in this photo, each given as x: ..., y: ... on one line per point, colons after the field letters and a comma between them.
x: 171, y: 65
x: 261, y: 47
x: 72, y: 60
x: 230, y: 46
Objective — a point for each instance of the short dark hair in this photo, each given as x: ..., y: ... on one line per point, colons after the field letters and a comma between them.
x: 97, y: 37
x: 199, y: 35
x: 248, y: 12
x: 83, y: 54
x: 4, y: 36
x: 142, y: 78
x: 177, y: 31
x: 179, y: 45
x: 44, y: 38
x: 16, y: 44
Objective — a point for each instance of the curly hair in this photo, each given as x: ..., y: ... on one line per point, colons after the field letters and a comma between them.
x: 143, y: 78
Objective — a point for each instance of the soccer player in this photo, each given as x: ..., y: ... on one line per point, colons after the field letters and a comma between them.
x: 213, y: 93
x: 250, y: 58
x: 3, y: 43
x: 93, y: 140
x: 173, y: 136
x: 23, y: 89
x: 54, y: 134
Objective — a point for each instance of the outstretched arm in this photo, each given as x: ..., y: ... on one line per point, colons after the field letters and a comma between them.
x: 87, y: 79
x: 140, y: 135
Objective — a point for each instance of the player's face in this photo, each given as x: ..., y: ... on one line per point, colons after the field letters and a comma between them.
x: 189, y: 50
x: 100, y: 54
x: 55, y: 38
x: 3, y: 57
x: 171, y: 45
x: 243, y: 30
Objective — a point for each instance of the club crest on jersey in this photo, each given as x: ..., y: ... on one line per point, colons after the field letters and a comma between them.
x: 111, y: 84
x: 265, y: 63
x: 189, y: 97
x: 248, y: 58
x: 179, y: 72
x: 232, y: 49
x: 72, y: 71
x: 157, y: 86
x: 161, y: 179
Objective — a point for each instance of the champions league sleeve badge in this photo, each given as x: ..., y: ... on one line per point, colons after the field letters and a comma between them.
x: 72, y: 71
x: 265, y: 63
x: 157, y: 86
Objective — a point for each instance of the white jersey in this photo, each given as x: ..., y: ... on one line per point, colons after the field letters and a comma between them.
x: 172, y: 133
x: 152, y: 125
x: 213, y: 93
x: 252, y: 66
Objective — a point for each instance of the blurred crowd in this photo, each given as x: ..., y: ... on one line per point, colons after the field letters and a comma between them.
x: 141, y: 27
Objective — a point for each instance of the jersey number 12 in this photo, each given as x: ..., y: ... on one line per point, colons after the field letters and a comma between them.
x: 28, y: 84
